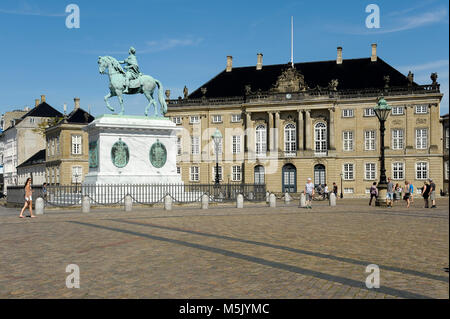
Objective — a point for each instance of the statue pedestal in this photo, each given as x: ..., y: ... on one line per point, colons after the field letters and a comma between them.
x: 126, y: 149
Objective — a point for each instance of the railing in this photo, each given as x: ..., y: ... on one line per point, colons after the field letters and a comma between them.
x: 147, y: 194
x: 326, y: 93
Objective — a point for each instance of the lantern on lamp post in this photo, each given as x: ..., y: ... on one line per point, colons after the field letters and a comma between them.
x: 382, y: 110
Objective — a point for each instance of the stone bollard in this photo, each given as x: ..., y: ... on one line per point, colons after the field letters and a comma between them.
x: 272, y: 200
x: 267, y: 197
x: 39, y: 206
x: 205, y: 201
x: 168, y: 202
x: 332, y: 199
x: 240, y: 201
x: 128, y: 203
x: 86, y: 205
x: 302, y: 203
x: 287, y: 198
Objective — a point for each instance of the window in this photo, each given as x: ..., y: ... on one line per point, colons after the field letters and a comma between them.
x: 57, y: 145
x: 398, y: 171
x: 176, y: 120
x: 348, y: 190
x: 53, y: 147
x: 446, y: 170
x: 422, y: 109
x: 236, y: 173
x: 397, y: 139
x: 194, y: 119
x: 398, y: 110
x: 367, y: 190
x: 195, y: 173
x: 259, y: 174
x: 369, y: 112
x: 48, y: 147
x: 179, y: 150
x: 217, y: 118
x: 235, y: 118
x: 76, y: 144
x: 32, y: 120
x: 214, y: 173
x: 57, y: 175
x: 348, y: 171
x: 347, y: 140
x: 347, y: 113
x: 421, y: 138
x: 447, y: 137
x: 290, y: 140
x: 320, y: 138
x: 195, y: 145
x: 370, y: 171
x: 369, y: 140
x: 178, y: 170
x: 421, y: 170
x: 236, y: 144
x: 261, y: 140
x: 77, y: 172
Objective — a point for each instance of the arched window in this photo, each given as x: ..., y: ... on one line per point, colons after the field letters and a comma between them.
x: 259, y: 174
x: 261, y: 140
x: 320, y: 138
x: 290, y: 140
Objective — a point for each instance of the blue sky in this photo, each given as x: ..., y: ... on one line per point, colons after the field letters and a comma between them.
x: 186, y: 42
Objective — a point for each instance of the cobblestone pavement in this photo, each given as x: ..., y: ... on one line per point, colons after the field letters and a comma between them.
x: 224, y: 252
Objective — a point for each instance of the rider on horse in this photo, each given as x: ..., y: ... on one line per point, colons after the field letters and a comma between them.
x: 132, y: 68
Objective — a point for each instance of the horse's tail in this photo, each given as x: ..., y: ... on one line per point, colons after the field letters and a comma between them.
x: 161, y: 98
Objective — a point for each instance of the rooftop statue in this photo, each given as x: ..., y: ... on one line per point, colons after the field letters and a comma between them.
x: 131, y: 81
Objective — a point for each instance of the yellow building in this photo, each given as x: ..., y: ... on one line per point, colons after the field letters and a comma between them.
x: 67, y: 152
x: 284, y: 123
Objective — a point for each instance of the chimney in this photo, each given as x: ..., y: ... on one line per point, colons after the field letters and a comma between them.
x: 36, y: 102
x: 42, y: 98
x: 339, y: 55
x: 259, y: 61
x: 373, y: 58
x: 77, y: 103
x: 229, y: 63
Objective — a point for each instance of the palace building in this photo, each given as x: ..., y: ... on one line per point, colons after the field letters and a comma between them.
x: 284, y: 123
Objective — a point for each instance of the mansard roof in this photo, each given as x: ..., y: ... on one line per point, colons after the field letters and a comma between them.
x: 351, y: 74
x: 43, y: 110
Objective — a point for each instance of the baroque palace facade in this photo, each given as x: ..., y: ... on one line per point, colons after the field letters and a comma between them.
x: 284, y: 123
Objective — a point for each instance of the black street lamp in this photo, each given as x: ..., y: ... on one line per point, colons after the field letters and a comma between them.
x: 382, y: 110
x: 342, y: 195
x: 217, y: 137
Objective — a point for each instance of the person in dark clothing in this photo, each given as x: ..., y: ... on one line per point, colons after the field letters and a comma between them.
x: 426, y: 193
x: 335, y: 189
x: 373, y: 192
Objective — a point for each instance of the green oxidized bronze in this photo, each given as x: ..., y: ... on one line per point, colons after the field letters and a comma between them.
x: 158, y: 154
x: 93, y: 155
x: 120, y: 154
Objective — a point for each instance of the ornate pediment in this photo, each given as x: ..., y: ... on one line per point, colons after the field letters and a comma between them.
x: 290, y: 80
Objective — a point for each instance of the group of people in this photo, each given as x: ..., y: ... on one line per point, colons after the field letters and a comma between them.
x: 323, y: 190
x: 394, y: 193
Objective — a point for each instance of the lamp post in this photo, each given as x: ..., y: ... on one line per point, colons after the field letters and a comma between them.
x: 342, y: 195
x: 217, y: 137
x: 382, y: 110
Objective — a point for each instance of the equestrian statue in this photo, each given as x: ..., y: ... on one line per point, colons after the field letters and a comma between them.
x: 131, y: 81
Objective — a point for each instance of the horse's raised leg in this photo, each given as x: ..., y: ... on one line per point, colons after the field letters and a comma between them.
x: 120, y: 97
x: 149, y: 97
x: 107, y: 103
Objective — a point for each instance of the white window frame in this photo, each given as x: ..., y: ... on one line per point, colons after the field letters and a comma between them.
x: 220, y: 172
x: 178, y: 170
x: 421, y: 109
x: 347, y: 141
x: 421, y: 170
x: 398, y: 171
x: 261, y: 140
x: 176, y: 120
x: 76, y: 169
x: 398, y: 110
x: 320, y: 138
x: 368, y: 112
x: 194, y: 119
x: 194, y: 173
x: 77, y: 142
x: 447, y: 138
x: 349, y: 190
x: 179, y: 146
x: 421, y: 138
x: 397, y: 140
x: 216, y: 118
x: 348, y: 113
x: 290, y: 140
x: 446, y: 170
x: 195, y: 145
x: 236, y: 173
x: 370, y: 171
x: 235, y: 118
x: 348, y: 171
x: 236, y: 144
x: 370, y: 140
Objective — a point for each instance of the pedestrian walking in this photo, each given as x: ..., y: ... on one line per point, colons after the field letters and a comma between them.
x: 426, y: 193
x: 44, y: 191
x: 373, y: 193
x: 407, y: 195
x: 390, y: 193
x: 411, y: 193
x: 335, y: 189
x: 398, y: 192
x: 325, y: 190
x: 28, y: 199
x: 432, y: 193
x: 309, y: 192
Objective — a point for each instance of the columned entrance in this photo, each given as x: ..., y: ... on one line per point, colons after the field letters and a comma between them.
x: 319, y: 175
x: 289, y: 178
